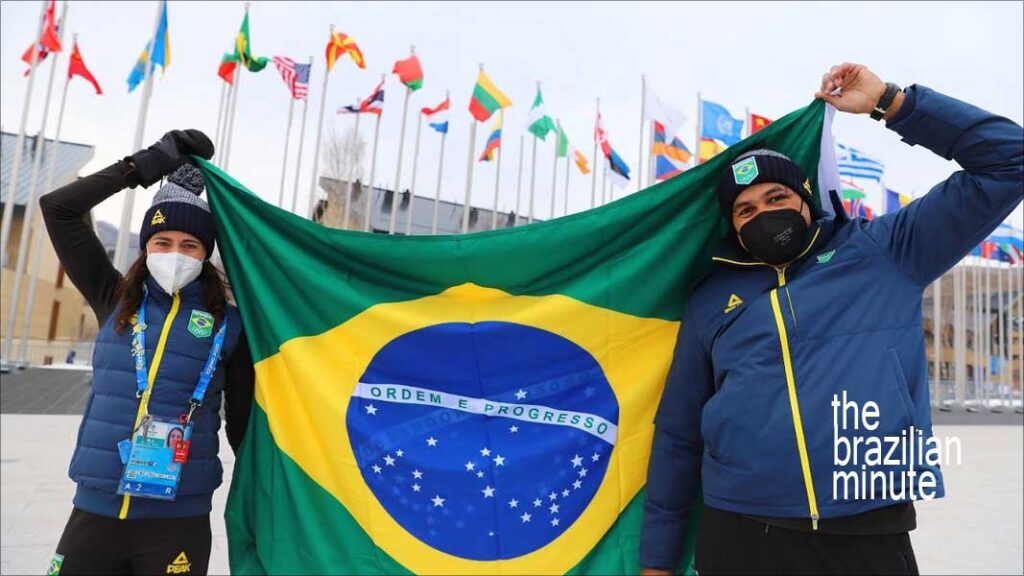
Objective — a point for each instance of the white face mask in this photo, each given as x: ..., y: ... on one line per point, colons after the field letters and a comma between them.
x: 173, y: 270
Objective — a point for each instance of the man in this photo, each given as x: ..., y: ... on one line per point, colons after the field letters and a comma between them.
x: 799, y: 310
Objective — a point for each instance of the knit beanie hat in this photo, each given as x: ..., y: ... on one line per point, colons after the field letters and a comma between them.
x: 759, y: 166
x: 177, y: 206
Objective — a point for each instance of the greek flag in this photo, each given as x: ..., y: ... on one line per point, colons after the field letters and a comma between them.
x: 855, y: 164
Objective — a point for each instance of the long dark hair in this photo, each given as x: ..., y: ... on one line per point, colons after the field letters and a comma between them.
x: 129, y: 293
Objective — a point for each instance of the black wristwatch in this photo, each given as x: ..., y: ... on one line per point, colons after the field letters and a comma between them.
x: 885, y: 101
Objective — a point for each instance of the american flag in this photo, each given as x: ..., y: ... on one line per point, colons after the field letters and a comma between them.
x: 295, y: 76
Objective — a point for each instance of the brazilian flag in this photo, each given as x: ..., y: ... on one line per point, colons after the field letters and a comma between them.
x: 476, y: 404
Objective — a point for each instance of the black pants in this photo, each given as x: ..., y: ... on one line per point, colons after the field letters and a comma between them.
x: 730, y: 543
x: 93, y: 544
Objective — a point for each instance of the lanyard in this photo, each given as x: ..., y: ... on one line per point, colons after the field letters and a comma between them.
x: 142, y: 371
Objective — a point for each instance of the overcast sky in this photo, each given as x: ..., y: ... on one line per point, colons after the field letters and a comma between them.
x: 768, y: 56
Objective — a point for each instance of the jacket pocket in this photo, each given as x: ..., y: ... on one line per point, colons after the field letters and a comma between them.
x: 902, y: 388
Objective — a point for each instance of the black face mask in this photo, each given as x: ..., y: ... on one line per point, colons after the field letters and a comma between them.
x: 775, y: 236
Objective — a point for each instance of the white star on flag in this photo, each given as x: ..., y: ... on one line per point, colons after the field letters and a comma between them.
x: 469, y: 466
x: 577, y: 484
x: 565, y: 493
x: 525, y: 517
x: 371, y: 410
x: 399, y: 453
x: 479, y: 473
x: 554, y: 521
x: 595, y: 457
x: 438, y: 501
x: 485, y: 452
x: 514, y: 429
x: 520, y: 394
x: 488, y: 492
x: 376, y: 469
x: 415, y: 487
x: 553, y: 509
x: 417, y: 474
x: 583, y: 473
x: 499, y: 460
x: 536, y: 503
x: 552, y: 496
x: 513, y: 503
x: 389, y: 460
x: 577, y: 461
x: 431, y: 441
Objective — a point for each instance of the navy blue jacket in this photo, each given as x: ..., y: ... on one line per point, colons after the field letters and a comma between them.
x: 112, y: 408
x: 746, y: 413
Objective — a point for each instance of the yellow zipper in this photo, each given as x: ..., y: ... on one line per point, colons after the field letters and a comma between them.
x: 157, y: 357
x: 794, y: 405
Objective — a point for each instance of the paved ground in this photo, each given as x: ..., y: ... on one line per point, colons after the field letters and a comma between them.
x: 977, y: 529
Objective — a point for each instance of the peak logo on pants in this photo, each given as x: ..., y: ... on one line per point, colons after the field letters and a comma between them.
x: 181, y: 565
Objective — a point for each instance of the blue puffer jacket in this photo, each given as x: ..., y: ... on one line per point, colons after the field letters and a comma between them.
x: 747, y: 408
x: 111, y: 412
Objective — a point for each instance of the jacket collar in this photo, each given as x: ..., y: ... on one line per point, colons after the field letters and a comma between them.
x: 731, y: 253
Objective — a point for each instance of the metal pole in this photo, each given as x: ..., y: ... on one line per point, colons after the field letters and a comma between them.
x: 937, y: 339
x: 319, y: 132
x: 567, y: 162
x: 230, y: 138
x: 533, y: 179
x: 28, y: 221
x: 593, y: 179
x: 437, y: 191
x: 284, y: 163
x: 497, y: 177
x: 554, y: 170
x: 643, y: 114
x: 19, y: 146
x: 373, y: 172
x: 519, y: 180
x: 412, y: 187
x: 398, y: 167
x: 124, y: 231
x: 220, y: 113
x: 351, y: 174
x: 469, y: 177
x: 302, y: 139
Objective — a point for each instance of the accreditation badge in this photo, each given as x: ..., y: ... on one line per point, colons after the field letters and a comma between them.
x: 155, y: 458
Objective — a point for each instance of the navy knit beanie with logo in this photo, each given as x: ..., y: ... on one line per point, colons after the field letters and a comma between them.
x: 177, y: 206
x: 757, y: 167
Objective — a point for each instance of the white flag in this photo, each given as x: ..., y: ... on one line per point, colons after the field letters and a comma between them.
x: 658, y: 111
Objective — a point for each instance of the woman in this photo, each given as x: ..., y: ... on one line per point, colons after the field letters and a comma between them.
x: 169, y: 346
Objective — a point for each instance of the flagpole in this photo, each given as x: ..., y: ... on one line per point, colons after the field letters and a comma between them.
x: 988, y: 327
x: 567, y: 162
x: 593, y: 179
x: 533, y: 171
x: 124, y: 230
x: 12, y: 186
x: 284, y: 162
x: 401, y: 148
x: 367, y: 217
x: 440, y: 171
x: 412, y: 186
x: 604, y: 186
x: 351, y: 174
x: 319, y: 132
x: 220, y: 112
x: 746, y: 121
x: 469, y: 176
x: 643, y: 111
x: 302, y: 139
x: 976, y: 324
x: 38, y: 235
x: 497, y: 176
x: 1003, y: 341
x: 519, y: 179
x: 229, y: 131
x: 700, y: 118
x: 554, y: 170
x: 28, y: 220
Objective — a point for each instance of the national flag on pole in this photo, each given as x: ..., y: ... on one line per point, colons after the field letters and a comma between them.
x: 341, y: 44
x: 289, y: 71
x: 372, y: 104
x: 670, y: 118
x: 708, y: 149
x: 581, y: 161
x: 670, y: 157
x: 437, y: 117
x: 398, y: 379
x: 1010, y: 241
x: 226, y: 70
x: 487, y: 99
x: 538, y: 122
x: 160, y: 55
x: 409, y: 72
x: 562, y: 144
x: 718, y: 124
x: 855, y: 164
x: 49, y: 41
x: 615, y: 166
x: 757, y: 122
x: 493, y: 142
x: 300, y: 88
x: 76, y: 67
x: 855, y: 201
x: 243, y: 49
x: 894, y: 200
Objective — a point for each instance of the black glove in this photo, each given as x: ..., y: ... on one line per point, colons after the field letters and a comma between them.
x: 167, y: 154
